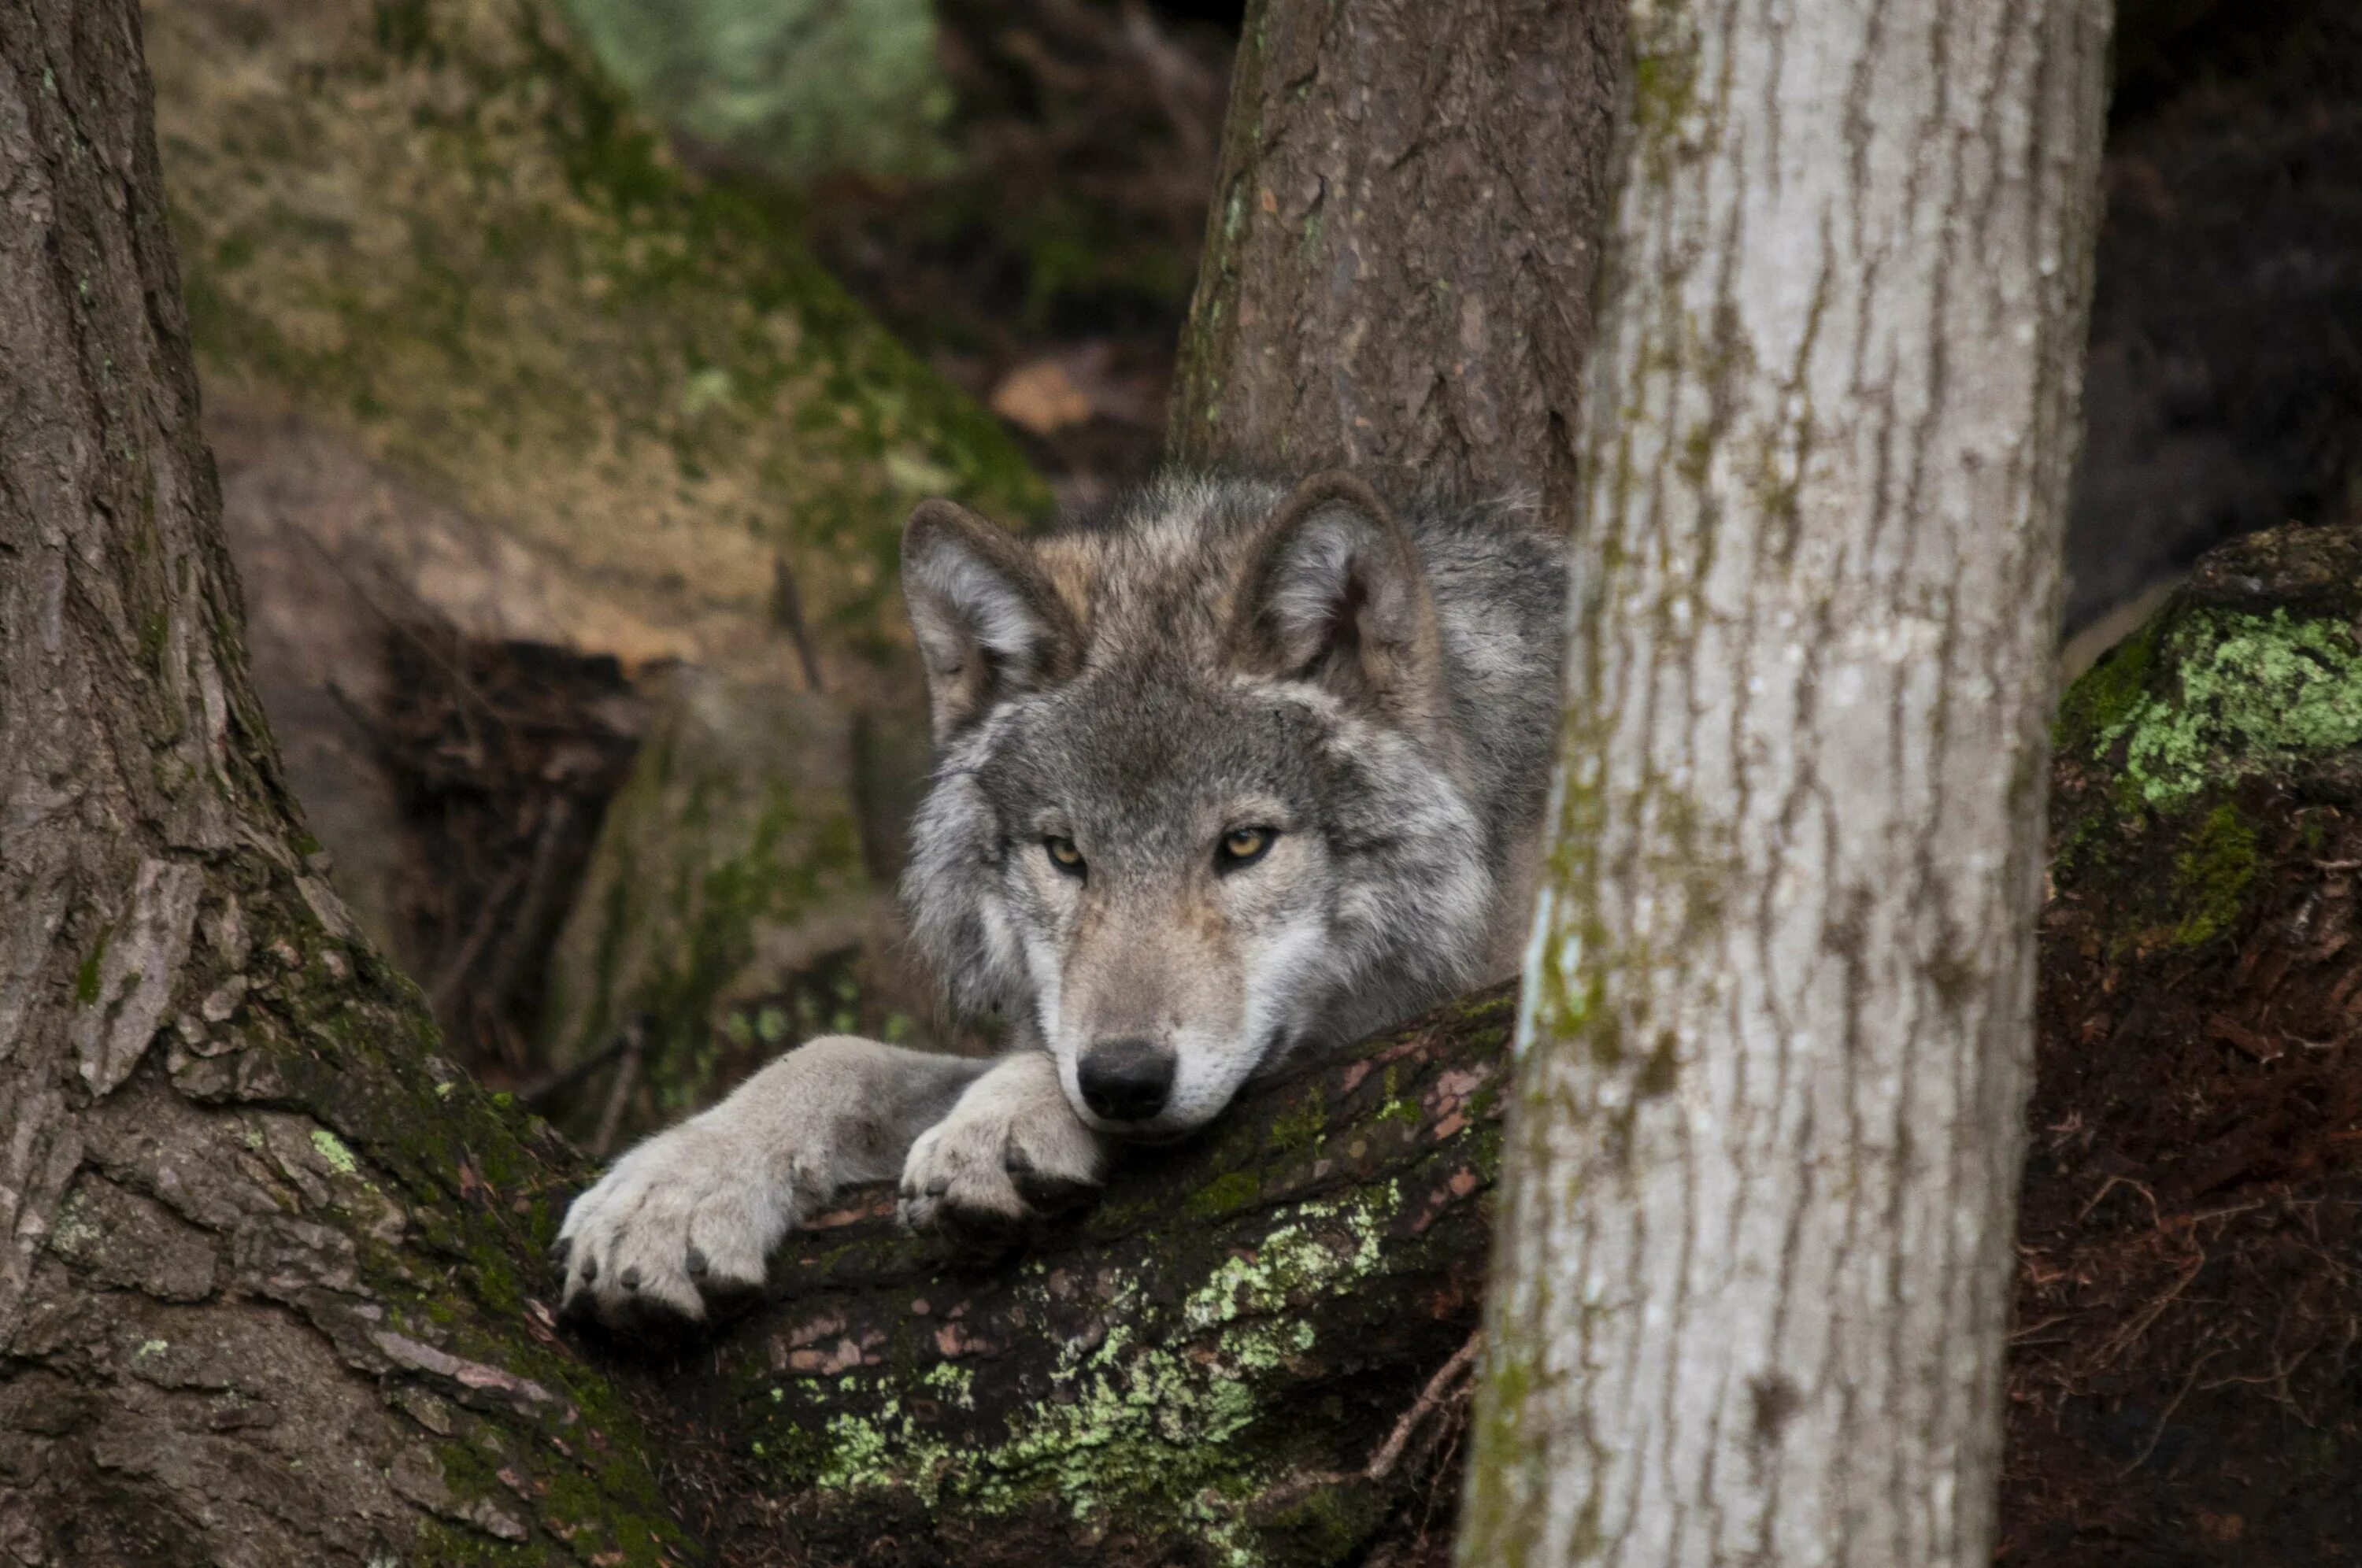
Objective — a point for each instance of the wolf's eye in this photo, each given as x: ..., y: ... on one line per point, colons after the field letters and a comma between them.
x: 1063, y: 856
x: 1242, y: 846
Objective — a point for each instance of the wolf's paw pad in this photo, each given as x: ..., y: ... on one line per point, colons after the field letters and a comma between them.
x: 679, y: 1226
x: 985, y: 1173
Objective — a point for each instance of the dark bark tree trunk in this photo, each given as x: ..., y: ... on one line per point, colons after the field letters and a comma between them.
x: 1404, y: 236
x: 258, y: 1302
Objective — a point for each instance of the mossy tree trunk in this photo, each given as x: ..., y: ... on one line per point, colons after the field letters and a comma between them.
x: 260, y: 1288
x: 1756, y: 1231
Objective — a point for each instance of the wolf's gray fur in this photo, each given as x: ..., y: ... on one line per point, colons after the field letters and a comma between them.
x: 1235, y: 771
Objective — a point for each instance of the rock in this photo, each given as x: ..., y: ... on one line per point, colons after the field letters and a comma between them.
x: 429, y: 233
x: 730, y: 862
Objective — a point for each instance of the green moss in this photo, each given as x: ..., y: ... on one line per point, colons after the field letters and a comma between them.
x: 1227, y: 1193
x: 1664, y: 62
x: 2212, y: 875
x: 1327, y: 1524
x: 1503, y: 1389
x: 1297, y: 1129
x: 2103, y: 699
x: 86, y: 981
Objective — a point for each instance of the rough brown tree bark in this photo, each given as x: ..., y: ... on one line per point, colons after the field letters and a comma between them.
x: 1756, y: 1234
x: 1404, y: 233
x: 257, y: 1300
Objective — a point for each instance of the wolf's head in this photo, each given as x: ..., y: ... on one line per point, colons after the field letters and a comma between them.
x: 1195, y: 802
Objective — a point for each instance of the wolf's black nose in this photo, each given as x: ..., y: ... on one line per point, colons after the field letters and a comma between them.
x: 1125, y: 1080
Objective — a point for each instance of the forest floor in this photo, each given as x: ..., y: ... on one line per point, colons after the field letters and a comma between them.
x: 2185, y: 1371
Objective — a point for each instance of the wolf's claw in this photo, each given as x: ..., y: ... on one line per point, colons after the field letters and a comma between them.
x: 1011, y: 1139
x: 680, y: 1223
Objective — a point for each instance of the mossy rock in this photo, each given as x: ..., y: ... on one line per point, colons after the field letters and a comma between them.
x: 729, y: 863
x: 432, y: 228
x: 2246, y: 683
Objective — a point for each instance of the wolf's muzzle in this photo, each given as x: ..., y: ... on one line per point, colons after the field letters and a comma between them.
x: 1125, y: 1080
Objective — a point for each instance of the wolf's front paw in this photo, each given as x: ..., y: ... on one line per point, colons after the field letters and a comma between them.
x: 682, y: 1223
x: 1010, y: 1146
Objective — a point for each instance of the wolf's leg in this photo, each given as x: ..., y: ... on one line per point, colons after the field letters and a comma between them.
x: 1011, y: 1142
x: 697, y: 1208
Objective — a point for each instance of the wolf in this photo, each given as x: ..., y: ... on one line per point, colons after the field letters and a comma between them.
x: 1234, y: 772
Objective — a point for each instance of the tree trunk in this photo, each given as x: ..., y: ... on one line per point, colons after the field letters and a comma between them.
x: 1405, y: 232
x: 1756, y: 1239
x: 258, y: 1301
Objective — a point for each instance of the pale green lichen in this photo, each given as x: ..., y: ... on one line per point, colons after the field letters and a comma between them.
x: 1293, y: 1258
x: 1150, y: 1421
x: 2244, y: 692
x: 332, y: 1149
x: 71, y: 1234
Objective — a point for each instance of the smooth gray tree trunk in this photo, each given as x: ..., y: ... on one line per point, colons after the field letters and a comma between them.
x: 1755, y: 1241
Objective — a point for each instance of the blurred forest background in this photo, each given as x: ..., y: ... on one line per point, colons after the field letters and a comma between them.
x: 571, y: 364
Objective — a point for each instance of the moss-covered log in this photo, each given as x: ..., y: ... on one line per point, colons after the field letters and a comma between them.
x: 1253, y: 1350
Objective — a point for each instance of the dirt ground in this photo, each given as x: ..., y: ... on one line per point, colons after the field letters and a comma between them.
x: 2184, y: 1381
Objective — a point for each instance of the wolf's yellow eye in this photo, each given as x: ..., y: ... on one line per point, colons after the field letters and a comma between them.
x: 1064, y: 856
x: 1243, y: 846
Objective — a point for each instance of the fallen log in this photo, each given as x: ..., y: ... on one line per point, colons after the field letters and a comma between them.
x: 1253, y: 1350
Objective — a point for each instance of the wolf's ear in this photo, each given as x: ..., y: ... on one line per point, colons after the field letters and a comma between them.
x: 989, y: 624
x: 1335, y: 594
